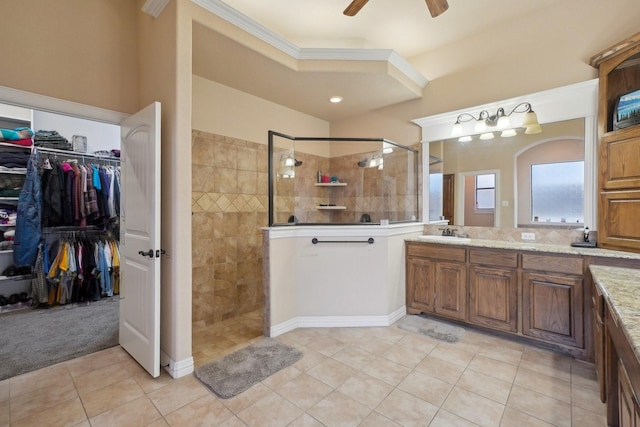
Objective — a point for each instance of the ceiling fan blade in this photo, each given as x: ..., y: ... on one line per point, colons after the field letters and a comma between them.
x: 437, y: 7
x: 354, y: 7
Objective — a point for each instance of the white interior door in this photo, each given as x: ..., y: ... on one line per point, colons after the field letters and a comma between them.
x: 140, y: 238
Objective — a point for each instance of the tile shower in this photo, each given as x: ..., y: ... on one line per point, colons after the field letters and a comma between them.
x: 229, y: 204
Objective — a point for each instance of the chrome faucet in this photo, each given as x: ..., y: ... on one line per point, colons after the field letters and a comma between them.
x: 448, y: 231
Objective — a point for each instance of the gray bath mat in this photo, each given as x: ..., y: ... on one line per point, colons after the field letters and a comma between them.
x: 238, y: 371
x: 431, y: 328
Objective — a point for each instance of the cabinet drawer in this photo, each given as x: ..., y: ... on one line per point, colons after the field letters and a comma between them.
x: 496, y: 258
x: 555, y: 263
x: 443, y: 252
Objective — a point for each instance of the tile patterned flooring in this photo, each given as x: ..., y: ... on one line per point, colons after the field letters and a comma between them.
x: 374, y: 376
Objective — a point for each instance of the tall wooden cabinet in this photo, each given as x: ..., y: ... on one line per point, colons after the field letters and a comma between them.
x: 618, y: 149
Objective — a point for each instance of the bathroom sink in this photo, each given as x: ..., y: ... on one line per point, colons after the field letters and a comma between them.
x: 438, y: 238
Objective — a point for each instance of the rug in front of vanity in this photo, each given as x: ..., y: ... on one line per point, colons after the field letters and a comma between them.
x: 431, y: 327
x: 238, y: 371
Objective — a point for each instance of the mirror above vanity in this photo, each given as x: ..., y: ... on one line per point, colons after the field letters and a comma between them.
x: 488, y: 182
x: 518, y: 181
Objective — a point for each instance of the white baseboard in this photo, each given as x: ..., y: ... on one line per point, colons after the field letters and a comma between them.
x: 177, y: 369
x: 337, y: 322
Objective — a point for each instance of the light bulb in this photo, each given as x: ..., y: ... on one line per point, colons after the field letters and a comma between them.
x: 485, y: 136
x: 457, y: 129
x: 508, y: 133
x: 504, y: 122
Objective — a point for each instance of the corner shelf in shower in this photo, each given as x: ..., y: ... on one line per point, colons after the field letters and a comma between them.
x: 331, y: 184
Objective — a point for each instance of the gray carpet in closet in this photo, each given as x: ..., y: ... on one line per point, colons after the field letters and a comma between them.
x: 31, y: 339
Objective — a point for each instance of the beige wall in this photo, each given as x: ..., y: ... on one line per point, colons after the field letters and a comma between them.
x: 225, y: 111
x: 164, y: 45
x: 78, y: 50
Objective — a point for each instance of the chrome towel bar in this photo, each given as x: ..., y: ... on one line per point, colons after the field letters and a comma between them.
x: 315, y: 241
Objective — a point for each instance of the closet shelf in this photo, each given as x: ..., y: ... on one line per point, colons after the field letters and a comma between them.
x: 20, y: 277
x: 331, y: 184
x: 70, y: 153
x: 8, y: 199
x: 10, y: 172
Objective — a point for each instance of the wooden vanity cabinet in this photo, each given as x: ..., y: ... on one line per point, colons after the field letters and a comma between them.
x: 493, y: 289
x: 552, y: 298
x: 437, y: 280
x: 534, y: 295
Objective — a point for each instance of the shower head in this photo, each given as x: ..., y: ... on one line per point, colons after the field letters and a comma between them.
x: 363, y: 163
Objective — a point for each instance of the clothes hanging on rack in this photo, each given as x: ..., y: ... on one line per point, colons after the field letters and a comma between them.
x: 79, y: 194
x: 84, y: 268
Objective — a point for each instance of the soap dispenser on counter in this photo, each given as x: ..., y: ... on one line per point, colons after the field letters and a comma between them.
x: 587, y: 241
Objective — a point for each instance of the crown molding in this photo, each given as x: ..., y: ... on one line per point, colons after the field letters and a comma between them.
x: 154, y: 7
x: 261, y: 32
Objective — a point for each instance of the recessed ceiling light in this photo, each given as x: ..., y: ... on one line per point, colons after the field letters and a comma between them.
x: 335, y: 99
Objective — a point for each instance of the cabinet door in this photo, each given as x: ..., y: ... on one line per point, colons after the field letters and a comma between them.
x: 598, y: 343
x: 618, y: 227
x: 420, y: 285
x: 451, y: 290
x: 621, y: 164
x: 598, y: 339
x: 626, y: 412
x: 552, y: 308
x: 493, y: 297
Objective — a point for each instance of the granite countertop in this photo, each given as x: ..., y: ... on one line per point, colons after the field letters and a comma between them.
x: 621, y: 286
x: 529, y: 246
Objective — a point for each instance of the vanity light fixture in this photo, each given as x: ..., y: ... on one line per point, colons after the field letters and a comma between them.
x: 485, y: 123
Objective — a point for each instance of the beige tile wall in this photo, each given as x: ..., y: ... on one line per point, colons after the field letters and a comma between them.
x: 383, y: 195
x: 553, y: 236
x: 229, y: 205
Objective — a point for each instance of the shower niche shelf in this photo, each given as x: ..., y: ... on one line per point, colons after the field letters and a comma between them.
x: 331, y: 184
x: 331, y: 207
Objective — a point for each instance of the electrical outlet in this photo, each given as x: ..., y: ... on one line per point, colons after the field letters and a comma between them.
x: 528, y: 236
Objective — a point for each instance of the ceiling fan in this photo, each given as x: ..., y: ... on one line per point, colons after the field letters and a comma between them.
x: 436, y: 7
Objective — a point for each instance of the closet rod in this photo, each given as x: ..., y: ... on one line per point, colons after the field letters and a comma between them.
x: 73, y: 229
x: 76, y: 154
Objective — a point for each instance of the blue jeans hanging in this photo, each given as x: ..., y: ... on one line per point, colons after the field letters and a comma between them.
x: 28, y: 222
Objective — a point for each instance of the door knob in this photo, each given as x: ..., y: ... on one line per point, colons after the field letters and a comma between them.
x: 149, y: 253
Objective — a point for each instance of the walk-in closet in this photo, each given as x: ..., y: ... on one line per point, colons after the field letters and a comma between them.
x: 59, y: 237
